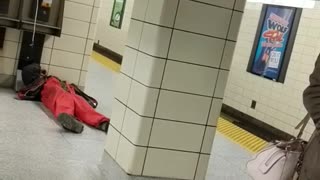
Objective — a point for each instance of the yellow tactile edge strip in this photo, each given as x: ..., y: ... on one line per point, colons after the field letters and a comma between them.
x: 238, y: 135
x: 106, y: 62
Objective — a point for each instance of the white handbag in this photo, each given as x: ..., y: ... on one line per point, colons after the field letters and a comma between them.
x: 278, y: 161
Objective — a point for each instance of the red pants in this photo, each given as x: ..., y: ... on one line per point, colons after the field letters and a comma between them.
x: 60, y: 101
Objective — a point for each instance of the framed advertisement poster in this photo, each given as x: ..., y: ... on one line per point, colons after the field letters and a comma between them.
x: 274, y: 40
x: 117, y: 13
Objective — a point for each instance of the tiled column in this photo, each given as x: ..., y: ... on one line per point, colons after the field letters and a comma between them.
x: 171, y: 86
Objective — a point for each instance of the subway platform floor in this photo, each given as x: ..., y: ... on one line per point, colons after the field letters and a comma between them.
x: 34, y: 147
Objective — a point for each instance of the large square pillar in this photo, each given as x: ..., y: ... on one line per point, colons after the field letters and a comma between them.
x: 171, y: 86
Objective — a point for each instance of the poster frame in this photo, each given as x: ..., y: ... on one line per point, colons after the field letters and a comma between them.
x: 122, y: 14
x: 289, y: 46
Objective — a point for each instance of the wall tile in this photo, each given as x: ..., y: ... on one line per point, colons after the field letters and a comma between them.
x: 123, y: 88
x: 134, y: 34
x: 202, y: 167
x: 208, y: 140
x: 149, y: 70
x: 208, y: 51
x: 77, y: 11
x: 66, y: 59
x: 130, y: 157
x: 117, y: 116
x: 9, y: 49
x: 223, y: 3
x: 190, y: 78
x: 194, y: 16
x: 6, y: 65
x: 240, y: 4
x: 86, y: 61
x: 221, y: 84
x: 171, y: 164
x: 162, y: 12
x: 139, y: 9
x: 69, y: 75
x: 143, y: 99
x: 235, y: 25
x: 70, y: 43
x: 155, y: 40
x: 89, y: 47
x: 129, y: 61
x: 215, y: 112
x: 48, y: 42
x: 228, y: 55
x: 94, y: 17
x: 46, y: 55
x: 75, y: 27
x: 136, y: 128
x: 179, y: 136
x: 92, y: 31
x: 97, y: 3
x: 12, y: 35
x: 87, y: 2
x: 183, y: 107
x: 112, y: 141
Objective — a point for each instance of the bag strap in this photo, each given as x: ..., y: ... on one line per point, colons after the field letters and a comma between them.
x: 302, y: 125
x: 93, y: 102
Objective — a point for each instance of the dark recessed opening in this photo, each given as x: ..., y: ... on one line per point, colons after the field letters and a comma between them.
x: 253, y: 104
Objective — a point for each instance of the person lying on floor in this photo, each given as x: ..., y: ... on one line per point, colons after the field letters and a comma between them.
x: 62, y: 99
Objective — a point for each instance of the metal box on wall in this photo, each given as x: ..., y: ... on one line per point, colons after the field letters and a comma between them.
x: 20, y: 14
x: 49, y: 16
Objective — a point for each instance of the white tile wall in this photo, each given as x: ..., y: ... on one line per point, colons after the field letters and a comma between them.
x: 223, y: 3
x: 190, y: 78
x: 171, y: 163
x: 70, y: 43
x: 279, y: 105
x: 69, y: 75
x: 123, y: 86
x: 149, y: 70
x: 155, y: 40
x: 76, y: 28
x: 143, y: 99
x: 181, y: 136
x: 208, y: 139
x: 161, y: 12
x: 208, y: 53
x: 136, y: 128
x: 191, y: 12
x: 66, y: 59
x: 118, y: 113
x: 129, y: 61
x: 134, y: 34
x: 112, y: 142
x: 183, y: 107
x: 78, y: 11
x: 202, y: 167
x: 130, y: 157
x: 215, y: 111
x: 6, y: 65
x: 139, y: 9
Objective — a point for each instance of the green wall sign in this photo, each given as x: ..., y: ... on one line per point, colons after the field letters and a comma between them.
x: 117, y: 13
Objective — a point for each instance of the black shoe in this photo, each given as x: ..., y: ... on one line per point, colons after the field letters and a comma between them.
x: 104, y: 127
x: 69, y: 123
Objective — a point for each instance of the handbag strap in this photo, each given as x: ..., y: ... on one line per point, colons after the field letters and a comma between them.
x: 302, y: 125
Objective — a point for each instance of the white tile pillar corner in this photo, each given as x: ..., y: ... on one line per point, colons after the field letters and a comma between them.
x: 171, y: 86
